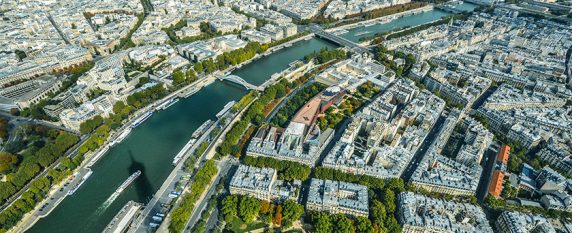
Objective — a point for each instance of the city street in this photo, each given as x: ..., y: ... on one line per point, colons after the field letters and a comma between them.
x: 408, y: 172
x: 224, y: 166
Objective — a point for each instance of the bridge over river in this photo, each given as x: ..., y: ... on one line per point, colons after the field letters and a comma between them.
x: 238, y: 80
x: 321, y: 33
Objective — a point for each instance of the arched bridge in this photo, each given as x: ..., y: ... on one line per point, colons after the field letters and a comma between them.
x: 238, y: 80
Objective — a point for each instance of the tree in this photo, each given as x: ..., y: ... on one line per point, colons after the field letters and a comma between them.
x: 3, y: 128
x: 118, y: 107
x: 363, y: 225
x: 321, y: 222
x: 265, y: 207
x: 377, y: 212
x: 342, y: 224
x: 89, y: 125
x: 389, y: 200
x: 292, y: 210
x: 198, y: 67
x: 277, y: 220
x: 178, y: 77
x: 230, y: 206
x: 7, y: 161
x: 248, y: 208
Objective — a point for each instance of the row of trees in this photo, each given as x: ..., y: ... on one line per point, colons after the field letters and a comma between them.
x: 295, y: 102
x: 254, y: 114
x: 227, y: 59
x: 181, y: 78
x: 37, y: 160
x: 203, y: 178
x: 324, y: 222
x: 287, y: 170
x: 28, y: 169
x: 333, y: 174
x: 90, y: 125
x: 126, y: 41
x: 443, y: 20
x: 245, y: 100
x: 389, y: 10
x: 101, y: 128
x: 191, y: 161
x: 325, y: 55
x: 248, y: 209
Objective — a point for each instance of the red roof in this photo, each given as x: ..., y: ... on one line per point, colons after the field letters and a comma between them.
x: 495, y: 188
x: 504, y: 154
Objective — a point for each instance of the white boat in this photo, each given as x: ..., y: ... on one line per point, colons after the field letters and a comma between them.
x: 192, y: 92
x: 83, y: 179
x: 199, y: 131
x: 174, y: 101
x: 362, y: 33
x: 225, y: 109
x: 98, y: 156
x: 127, y: 182
x: 368, y: 24
x: 122, y: 136
x: 386, y: 19
x: 162, y: 105
x: 141, y: 119
x: 181, y: 153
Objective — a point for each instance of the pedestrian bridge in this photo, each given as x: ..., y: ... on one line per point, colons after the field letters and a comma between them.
x: 238, y: 80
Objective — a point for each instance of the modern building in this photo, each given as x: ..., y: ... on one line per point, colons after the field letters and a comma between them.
x: 352, y: 73
x: 203, y: 50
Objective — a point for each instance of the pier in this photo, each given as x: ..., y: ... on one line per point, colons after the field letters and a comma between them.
x: 122, y: 221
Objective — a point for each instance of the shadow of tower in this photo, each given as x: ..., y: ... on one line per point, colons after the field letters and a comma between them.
x: 142, y: 184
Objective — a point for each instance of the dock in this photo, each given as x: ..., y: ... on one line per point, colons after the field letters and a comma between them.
x: 123, y: 219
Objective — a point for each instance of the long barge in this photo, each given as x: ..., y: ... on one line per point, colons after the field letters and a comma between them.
x: 202, y: 129
x: 141, y: 119
x: 181, y: 153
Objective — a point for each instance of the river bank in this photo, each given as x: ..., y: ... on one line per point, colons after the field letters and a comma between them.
x: 383, y: 19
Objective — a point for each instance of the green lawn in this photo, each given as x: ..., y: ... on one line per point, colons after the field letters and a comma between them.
x: 294, y: 231
x: 237, y: 225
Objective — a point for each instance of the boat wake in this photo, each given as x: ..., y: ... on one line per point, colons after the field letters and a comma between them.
x: 107, y: 203
x: 117, y: 192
